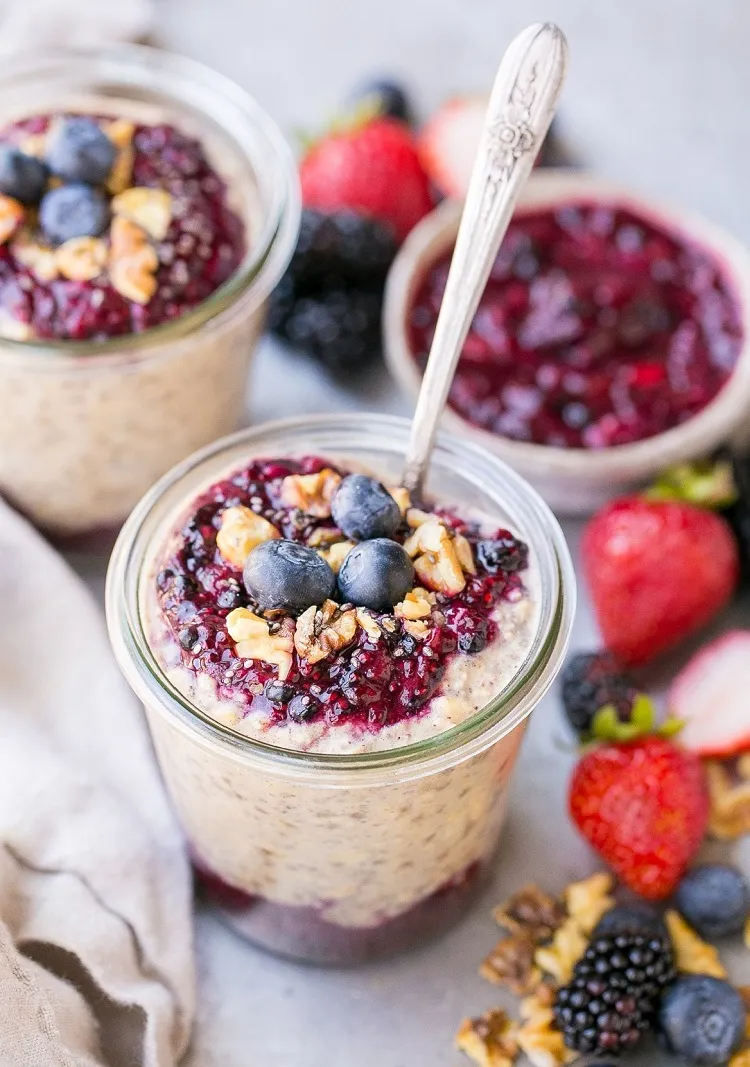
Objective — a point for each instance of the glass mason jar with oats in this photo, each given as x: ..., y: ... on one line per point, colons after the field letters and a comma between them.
x: 341, y: 764
x: 147, y: 208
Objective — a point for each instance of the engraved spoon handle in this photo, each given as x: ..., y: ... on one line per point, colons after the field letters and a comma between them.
x: 521, y: 107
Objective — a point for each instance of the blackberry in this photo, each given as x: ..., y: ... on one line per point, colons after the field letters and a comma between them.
x: 340, y: 328
x: 386, y: 97
x: 591, y: 680
x: 341, y: 247
x: 615, y: 992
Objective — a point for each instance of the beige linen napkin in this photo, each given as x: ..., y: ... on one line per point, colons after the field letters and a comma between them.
x: 95, y: 902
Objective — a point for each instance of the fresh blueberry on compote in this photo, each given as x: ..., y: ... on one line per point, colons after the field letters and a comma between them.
x: 74, y: 210
x: 22, y: 177
x: 376, y: 574
x: 364, y: 509
x: 301, y: 707
x: 80, y: 151
x: 286, y: 576
x: 278, y: 692
x: 502, y: 553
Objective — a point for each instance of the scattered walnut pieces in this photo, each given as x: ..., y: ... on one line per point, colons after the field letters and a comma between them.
x: 311, y: 493
x: 692, y: 954
x: 531, y: 911
x: 149, y: 208
x: 321, y: 632
x: 417, y: 604
x: 435, y: 558
x: 489, y: 1040
x: 132, y: 261
x: 415, y: 517
x: 369, y: 624
x: 254, y: 640
x: 11, y: 217
x: 538, y: 1038
x: 325, y: 536
x: 730, y: 799
x: 511, y: 964
x: 587, y: 901
x: 335, y: 554
x: 121, y: 133
x: 40, y: 259
x: 241, y: 531
x: 81, y: 259
x: 565, y: 950
x: 401, y: 496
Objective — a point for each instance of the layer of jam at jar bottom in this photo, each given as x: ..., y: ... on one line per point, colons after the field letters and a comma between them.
x: 301, y: 933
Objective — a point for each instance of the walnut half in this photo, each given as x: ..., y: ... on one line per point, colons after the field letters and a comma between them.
x: 322, y: 632
x: 241, y: 530
x: 254, y: 640
x: 436, y: 560
x: 311, y: 493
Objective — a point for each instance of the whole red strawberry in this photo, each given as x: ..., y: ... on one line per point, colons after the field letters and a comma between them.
x: 644, y: 807
x: 372, y: 168
x: 657, y: 571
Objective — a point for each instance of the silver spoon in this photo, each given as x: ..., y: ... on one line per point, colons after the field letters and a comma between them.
x: 523, y: 101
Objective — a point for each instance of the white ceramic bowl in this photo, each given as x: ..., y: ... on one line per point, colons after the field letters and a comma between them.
x: 577, y: 481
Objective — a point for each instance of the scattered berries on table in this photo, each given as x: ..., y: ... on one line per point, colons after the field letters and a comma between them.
x: 22, y: 177
x: 74, y: 210
x: 383, y: 97
x: 657, y: 571
x: 591, y: 681
x: 703, y: 1020
x: 372, y: 168
x: 613, y: 996
x: 376, y: 574
x: 710, y: 696
x: 363, y: 508
x: 283, y: 575
x: 80, y: 151
x: 643, y: 806
x: 714, y: 899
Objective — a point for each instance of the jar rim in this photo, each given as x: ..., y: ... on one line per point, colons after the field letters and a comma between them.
x: 267, y: 255
x: 496, y: 719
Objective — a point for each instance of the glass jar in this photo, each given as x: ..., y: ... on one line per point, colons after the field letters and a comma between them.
x: 87, y: 427
x: 326, y: 857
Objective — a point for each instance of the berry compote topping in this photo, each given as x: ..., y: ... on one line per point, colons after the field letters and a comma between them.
x: 371, y: 683
x: 597, y: 328
x: 202, y: 246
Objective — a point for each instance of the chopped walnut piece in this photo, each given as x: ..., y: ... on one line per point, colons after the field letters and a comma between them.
x: 11, y: 217
x: 254, y: 640
x: 435, y: 560
x: 692, y: 954
x: 489, y: 1040
x: 429, y: 536
x: 531, y: 911
x: 325, y: 536
x: 730, y: 801
x: 538, y: 1037
x: 40, y: 259
x: 511, y: 964
x: 369, y: 624
x: 418, y: 628
x: 335, y: 554
x: 744, y: 992
x: 589, y: 900
x: 565, y: 950
x: 81, y: 259
x: 149, y: 208
x: 241, y: 530
x: 464, y: 554
x: 401, y: 496
x: 35, y: 144
x: 132, y: 261
x: 740, y: 1059
x: 311, y: 493
x: 415, y: 517
x: 417, y: 604
x: 322, y: 632
x: 121, y: 133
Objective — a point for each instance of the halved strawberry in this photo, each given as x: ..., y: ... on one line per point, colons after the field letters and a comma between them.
x: 448, y: 143
x: 711, y: 695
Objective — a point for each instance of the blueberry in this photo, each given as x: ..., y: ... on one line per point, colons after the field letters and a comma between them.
x: 703, y: 1019
x: 278, y: 692
x: 363, y: 508
x: 22, y: 177
x: 80, y: 151
x: 626, y: 918
x: 74, y: 210
x: 376, y: 574
x: 301, y: 707
x: 714, y: 899
x: 286, y: 576
x: 386, y: 95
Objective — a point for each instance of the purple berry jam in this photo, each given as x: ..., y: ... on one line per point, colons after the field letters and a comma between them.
x: 597, y: 328
x: 203, y: 247
x: 368, y: 683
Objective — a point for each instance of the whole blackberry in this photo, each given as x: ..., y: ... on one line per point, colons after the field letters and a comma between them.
x: 591, y: 680
x: 340, y: 247
x: 615, y: 991
x: 339, y: 327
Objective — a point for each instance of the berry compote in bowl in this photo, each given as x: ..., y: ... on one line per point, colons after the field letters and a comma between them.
x: 611, y: 340
x: 147, y: 208
x: 337, y: 680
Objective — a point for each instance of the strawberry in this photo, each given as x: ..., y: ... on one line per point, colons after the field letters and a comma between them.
x: 711, y: 695
x: 643, y: 806
x: 449, y: 142
x: 657, y: 571
x: 372, y: 168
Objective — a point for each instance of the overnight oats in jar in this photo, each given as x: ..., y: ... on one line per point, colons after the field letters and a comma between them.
x: 336, y: 676
x: 147, y: 208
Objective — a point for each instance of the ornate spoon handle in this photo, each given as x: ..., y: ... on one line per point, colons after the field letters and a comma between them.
x: 521, y: 107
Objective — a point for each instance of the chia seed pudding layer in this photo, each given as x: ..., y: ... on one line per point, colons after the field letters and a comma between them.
x: 308, y: 867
